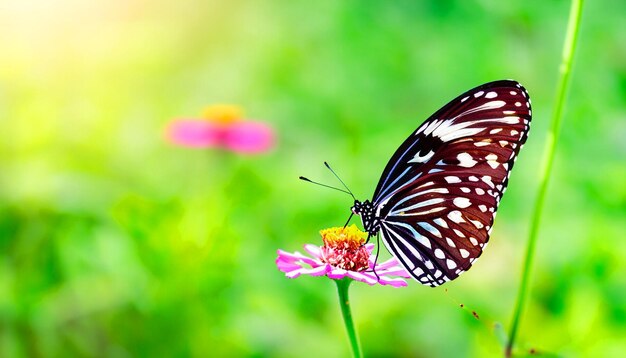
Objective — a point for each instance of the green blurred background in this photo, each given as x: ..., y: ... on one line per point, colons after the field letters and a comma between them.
x: 114, y: 243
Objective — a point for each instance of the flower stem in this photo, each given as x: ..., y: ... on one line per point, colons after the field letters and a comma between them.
x: 344, y: 303
x: 569, y: 48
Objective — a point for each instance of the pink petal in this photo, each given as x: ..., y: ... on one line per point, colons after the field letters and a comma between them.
x: 371, y: 279
x: 387, y: 264
x: 319, y: 271
x: 337, y: 273
x: 394, y: 282
x: 285, y: 267
x: 194, y: 133
x: 363, y: 277
x: 295, y: 257
x: 249, y: 137
x: 313, y: 250
x: 398, y: 271
x: 294, y: 273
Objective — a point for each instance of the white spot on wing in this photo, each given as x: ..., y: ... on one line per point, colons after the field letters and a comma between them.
x: 431, y: 229
x: 452, y: 179
x: 487, y: 180
x: 493, y: 105
x: 423, y: 240
x: 465, y: 160
x: 462, y: 202
x: 428, y: 128
x: 491, y: 95
x: 415, y: 206
x: 421, y: 159
x: 450, y: 242
x: 456, y: 217
x: 441, y: 222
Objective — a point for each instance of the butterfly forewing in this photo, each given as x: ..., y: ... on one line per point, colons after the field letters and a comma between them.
x: 438, y: 196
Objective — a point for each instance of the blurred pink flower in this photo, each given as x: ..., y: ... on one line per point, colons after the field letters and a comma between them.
x: 222, y: 126
x: 343, y: 255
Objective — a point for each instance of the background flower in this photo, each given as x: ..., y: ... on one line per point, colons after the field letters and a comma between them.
x: 222, y: 126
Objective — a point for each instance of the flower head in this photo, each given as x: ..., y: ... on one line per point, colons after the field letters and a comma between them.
x: 344, y: 254
x: 222, y: 126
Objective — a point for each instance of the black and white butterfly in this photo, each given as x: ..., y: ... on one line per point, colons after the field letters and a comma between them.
x: 437, y: 198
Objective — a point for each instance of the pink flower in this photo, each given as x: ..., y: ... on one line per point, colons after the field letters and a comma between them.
x: 342, y: 255
x: 222, y: 126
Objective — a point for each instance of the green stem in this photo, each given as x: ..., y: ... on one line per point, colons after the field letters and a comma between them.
x: 569, y: 48
x: 344, y: 303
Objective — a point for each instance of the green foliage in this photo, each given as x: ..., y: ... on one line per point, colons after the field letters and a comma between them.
x: 114, y: 243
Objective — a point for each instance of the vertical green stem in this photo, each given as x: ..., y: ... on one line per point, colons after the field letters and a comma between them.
x: 344, y: 303
x: 569, y: 48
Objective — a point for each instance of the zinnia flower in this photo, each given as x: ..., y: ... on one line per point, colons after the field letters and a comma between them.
x: 344, y: 254
x: 222, y: 126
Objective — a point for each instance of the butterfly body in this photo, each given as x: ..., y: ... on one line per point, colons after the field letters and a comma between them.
x: 436, y: 200
x: 371, y: 222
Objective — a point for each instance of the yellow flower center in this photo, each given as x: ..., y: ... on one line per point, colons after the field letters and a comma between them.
x: 345, y: 248
x: 222, y: 113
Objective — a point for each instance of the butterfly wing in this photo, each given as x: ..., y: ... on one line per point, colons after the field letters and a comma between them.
x: 438, y: 195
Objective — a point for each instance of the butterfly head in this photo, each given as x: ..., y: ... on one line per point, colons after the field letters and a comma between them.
x: 365, y: 210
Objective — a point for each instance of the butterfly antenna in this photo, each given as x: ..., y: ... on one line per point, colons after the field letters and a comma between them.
x: 327, y: 186
x: 337, y: 176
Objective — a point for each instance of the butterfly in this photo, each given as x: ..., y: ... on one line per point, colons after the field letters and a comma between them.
x: 437, y: 198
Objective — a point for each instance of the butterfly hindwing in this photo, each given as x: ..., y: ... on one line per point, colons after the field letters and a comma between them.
x: 438, y: 195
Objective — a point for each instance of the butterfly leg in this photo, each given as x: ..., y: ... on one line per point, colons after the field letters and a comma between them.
x: 377, y: 252
x: 349, y: 218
